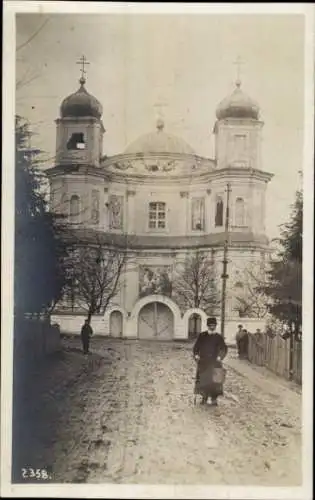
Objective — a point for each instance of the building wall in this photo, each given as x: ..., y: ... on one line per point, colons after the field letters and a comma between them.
x: 178, y: 199
x: 117, y: 201
x: 229, y: 153
x: 92, y: 130
x: 243, y: 263
x: 71, y: 324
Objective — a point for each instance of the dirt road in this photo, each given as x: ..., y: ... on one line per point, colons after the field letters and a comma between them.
x: 125, y: 414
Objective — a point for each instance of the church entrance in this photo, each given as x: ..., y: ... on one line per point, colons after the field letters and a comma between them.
x: 155, y: 321
x: 194, y: 326
x: 116, y: 324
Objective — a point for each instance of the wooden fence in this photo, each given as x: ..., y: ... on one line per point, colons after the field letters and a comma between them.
x: 34, y: 339
x: 274, y: 353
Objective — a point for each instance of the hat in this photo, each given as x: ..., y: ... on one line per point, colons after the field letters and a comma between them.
x: 211, y: 321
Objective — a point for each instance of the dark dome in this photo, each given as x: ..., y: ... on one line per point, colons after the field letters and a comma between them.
x: 238, y: 105
x: 81, y: 104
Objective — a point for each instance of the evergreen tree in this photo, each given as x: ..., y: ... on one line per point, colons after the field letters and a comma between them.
x: 39, y: 248
x: 284, y: 284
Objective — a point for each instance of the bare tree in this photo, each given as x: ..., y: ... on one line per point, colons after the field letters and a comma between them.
x: 195, y: 282
x: 33, y: 35
x: 94, y: 275
x: 30, y: 74
x: 249, y: 296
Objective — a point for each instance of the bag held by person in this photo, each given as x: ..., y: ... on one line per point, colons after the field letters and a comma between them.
x: 218, y: 375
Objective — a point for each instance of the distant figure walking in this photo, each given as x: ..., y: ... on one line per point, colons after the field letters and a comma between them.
x: 238, y: 338
x: 86, y: 333
x: 244, y: 344
x: 209, y: 350
x: 258, y: 335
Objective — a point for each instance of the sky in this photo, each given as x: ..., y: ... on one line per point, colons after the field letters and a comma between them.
x: 185, y: 61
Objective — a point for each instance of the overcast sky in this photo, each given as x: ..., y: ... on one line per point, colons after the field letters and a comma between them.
x: 188, y: 61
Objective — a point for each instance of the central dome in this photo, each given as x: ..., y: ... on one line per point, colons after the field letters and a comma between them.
x: 159, y: 142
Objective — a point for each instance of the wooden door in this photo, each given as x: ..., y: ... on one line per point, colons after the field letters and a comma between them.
x: 116, y: 324
x: 194, y: 326
x: 156, y: 321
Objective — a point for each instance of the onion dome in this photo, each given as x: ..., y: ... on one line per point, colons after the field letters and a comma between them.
x: 81, y: 104
x: 238, y: 105
x: 159, y: 142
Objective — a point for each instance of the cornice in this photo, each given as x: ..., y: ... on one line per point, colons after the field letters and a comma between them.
x: 241, y: 172
x: 133, y: 242
x: 132, y: 178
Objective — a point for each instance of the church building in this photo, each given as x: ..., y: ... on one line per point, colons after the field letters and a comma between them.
x: 167, y: 202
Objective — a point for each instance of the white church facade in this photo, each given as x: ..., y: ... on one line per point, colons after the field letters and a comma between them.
x: 167, y: 201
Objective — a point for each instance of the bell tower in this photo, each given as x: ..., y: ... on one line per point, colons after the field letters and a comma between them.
x: 80, y: 130
x: 238, y: 131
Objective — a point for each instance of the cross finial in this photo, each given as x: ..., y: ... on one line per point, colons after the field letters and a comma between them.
x: 160, y: 115
x: 238, y: 64
x: 83, y: 62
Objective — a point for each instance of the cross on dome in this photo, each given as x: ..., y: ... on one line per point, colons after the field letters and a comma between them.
x: 83, y: 62
x: 81, y: 104
x: 160, y: 124
x: 238, y: 62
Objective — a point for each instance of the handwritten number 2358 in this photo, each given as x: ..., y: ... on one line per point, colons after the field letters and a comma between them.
x: 35, y: 473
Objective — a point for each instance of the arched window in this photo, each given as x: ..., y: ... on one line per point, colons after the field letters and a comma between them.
x: 76, y: 141
x: 239, y: 212
x: 219, y: 212
x: 74, y: 207
x: 198, y: 214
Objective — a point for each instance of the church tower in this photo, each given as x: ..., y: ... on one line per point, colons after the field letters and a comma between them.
x: 238, y: 132
x: 80, y: 129
x: 75, y: 186
x: 238, y: 160
x: 238, y: 164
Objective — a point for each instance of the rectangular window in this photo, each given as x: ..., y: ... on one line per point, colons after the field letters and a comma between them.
x: 240, y: 149
x: 157, y: 215
x: 198, y: 214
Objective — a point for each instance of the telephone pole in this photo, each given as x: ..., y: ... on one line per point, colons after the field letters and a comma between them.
x: 224, y: 275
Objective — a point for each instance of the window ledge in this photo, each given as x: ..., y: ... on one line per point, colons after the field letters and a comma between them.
x: 157, y: 230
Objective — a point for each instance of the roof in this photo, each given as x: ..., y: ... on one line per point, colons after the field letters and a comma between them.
x: 159, y: 141
x: 238, y: 105
x: 80, y: 104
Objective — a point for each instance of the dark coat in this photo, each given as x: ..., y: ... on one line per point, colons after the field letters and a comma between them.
x: 208, y: 347
x: 86, y: 331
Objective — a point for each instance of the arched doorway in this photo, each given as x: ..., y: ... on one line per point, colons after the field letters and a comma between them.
x: 194, y: 326
x: 116, y: 324
x: 155, y: 321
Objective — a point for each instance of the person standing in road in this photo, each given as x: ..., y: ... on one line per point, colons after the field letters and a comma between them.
x: 209, y: 350
x: 244, y: 344
x: 86, y: 334
x: 238, y: 338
